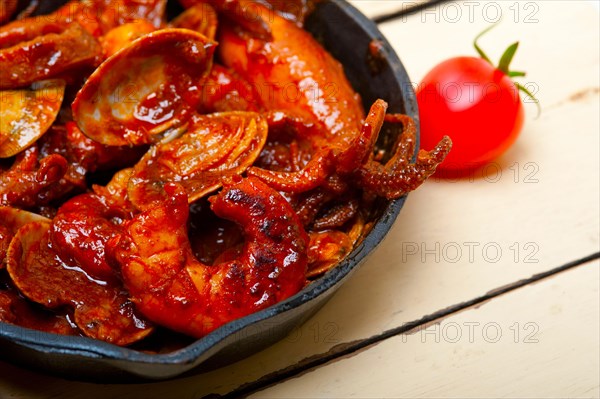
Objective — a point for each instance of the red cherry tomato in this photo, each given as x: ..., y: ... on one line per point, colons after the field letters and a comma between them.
x: 475, y: 104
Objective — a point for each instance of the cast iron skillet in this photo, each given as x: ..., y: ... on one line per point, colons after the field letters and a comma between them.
x: 346, y: 33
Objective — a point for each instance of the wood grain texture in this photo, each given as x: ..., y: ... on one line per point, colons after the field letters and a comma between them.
x: 540, y: 341
x: 538, y: 205
x: 559, y: 56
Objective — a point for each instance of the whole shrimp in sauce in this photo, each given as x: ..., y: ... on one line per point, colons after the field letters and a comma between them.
x: 296, y: 75
x: 293, y: 73
x: 171, y: 287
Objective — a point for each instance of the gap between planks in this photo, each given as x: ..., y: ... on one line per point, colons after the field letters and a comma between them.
x: 349, y: 348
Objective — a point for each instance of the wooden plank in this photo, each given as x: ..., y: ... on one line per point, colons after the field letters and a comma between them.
x: 558, y: 65
x: 540, y: 341
x: 386, y: 292
x: 417, y: 271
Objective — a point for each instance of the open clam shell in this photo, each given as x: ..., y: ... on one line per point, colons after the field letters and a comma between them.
x: 26, y: 114
x: 201, y: 18
x: 101, y: 310
x: 145, y: 89
x: 215, y: 146
x: 11, y: 220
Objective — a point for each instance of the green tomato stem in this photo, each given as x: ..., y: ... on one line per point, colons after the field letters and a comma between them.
x: 507, y: 57
x: 516, y: 74
x: 481, y: 53
x: 504, y: 64
x: 522, y: 88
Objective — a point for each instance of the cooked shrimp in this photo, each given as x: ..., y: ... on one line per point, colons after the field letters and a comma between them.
x: 171, y: 287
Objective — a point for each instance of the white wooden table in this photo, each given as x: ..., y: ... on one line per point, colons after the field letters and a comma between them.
x: 485, y: 287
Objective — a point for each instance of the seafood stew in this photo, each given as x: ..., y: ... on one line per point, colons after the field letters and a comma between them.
x: 246, y: 197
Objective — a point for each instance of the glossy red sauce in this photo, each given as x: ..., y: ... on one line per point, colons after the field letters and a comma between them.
x: 180, y: 193
x: 144, y: 90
